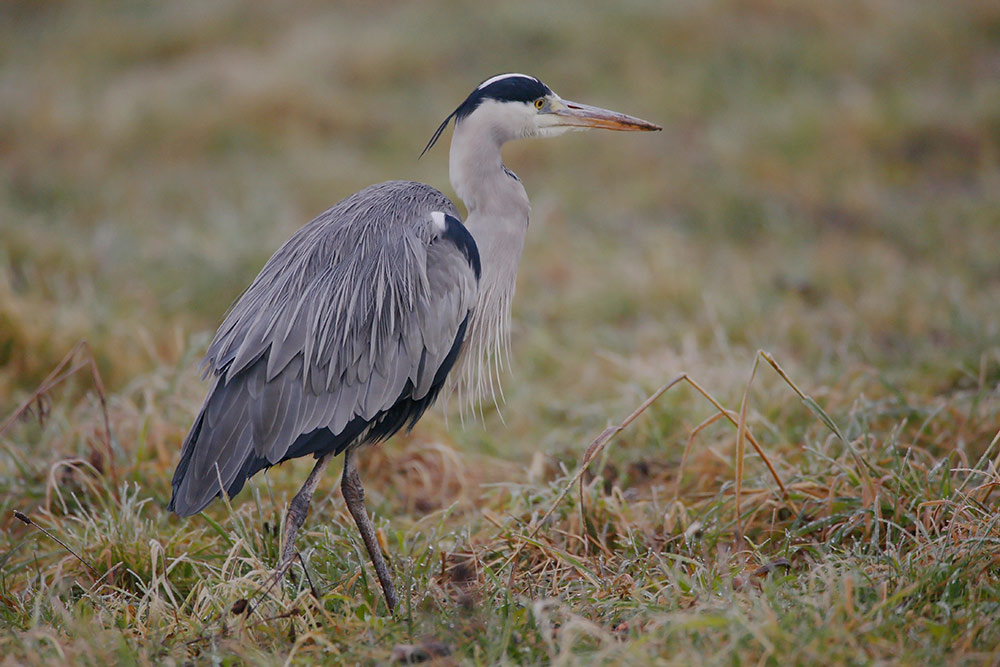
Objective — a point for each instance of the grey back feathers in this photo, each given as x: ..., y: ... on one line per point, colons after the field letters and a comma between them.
x: 344, y: 336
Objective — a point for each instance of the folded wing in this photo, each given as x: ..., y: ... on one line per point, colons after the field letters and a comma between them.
x: 345, y: 337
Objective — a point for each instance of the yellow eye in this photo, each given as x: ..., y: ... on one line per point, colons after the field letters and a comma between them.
x: 539, y: 103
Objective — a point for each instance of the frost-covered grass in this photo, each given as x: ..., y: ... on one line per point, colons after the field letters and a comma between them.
x: 827, y: 188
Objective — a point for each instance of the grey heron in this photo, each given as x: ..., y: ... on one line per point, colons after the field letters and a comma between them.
x: 351, y: 328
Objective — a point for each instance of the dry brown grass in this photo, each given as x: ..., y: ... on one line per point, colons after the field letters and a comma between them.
x: 825, y: 190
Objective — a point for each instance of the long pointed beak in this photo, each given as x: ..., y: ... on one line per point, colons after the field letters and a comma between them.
x: 574, y: 114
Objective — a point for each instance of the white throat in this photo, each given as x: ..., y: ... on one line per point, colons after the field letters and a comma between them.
x: 497, y: 218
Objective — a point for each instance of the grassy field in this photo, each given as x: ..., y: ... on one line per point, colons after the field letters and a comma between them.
x: 827, y: 189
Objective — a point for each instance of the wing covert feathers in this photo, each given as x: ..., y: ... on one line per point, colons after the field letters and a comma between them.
x: 348, y: 330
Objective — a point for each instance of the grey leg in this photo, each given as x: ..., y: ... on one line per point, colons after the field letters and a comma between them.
x: 296, y: 516
x: 299, y: 508
x: 354, y: 497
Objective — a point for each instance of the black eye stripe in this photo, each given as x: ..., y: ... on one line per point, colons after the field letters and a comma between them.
x: 516, y: 88
x: 509, y: 89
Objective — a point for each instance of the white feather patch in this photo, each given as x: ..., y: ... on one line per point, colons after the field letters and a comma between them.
x: 438, y: 218
x: 501, y: 77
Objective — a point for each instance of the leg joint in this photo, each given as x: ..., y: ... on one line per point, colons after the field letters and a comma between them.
x: 351, y: 487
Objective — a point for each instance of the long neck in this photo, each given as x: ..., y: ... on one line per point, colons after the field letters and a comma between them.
x: 498, y: 221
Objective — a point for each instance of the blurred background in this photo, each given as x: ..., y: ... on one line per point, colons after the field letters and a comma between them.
x: 826, y: 187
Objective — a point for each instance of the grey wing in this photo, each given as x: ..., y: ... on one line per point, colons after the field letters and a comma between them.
x: 345, y: 336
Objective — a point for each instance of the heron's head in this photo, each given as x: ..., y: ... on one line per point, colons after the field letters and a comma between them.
x: 516, y: 106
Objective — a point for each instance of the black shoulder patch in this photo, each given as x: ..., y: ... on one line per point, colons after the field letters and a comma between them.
x: 456, y: 232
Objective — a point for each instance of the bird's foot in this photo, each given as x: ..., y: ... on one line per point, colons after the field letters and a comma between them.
x: 279, y: 573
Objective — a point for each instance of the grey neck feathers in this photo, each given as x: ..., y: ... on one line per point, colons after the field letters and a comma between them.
x: 498, y: 221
